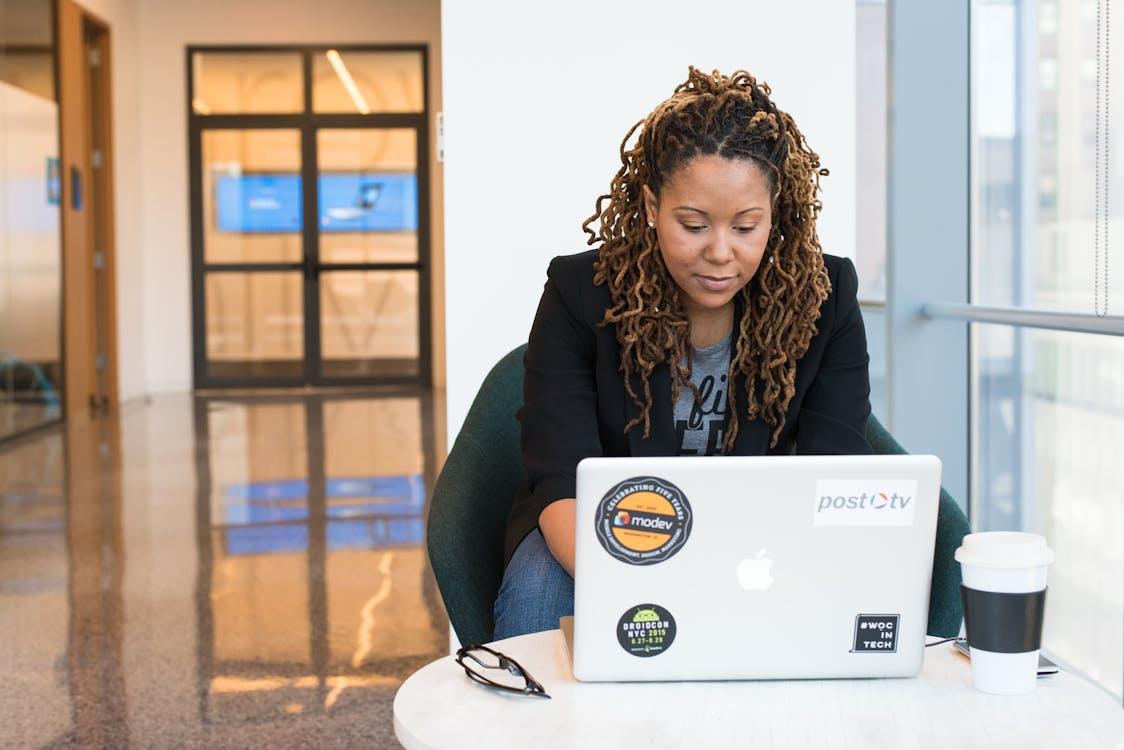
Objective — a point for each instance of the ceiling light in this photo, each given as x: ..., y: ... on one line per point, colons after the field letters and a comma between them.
x: 347, y: 81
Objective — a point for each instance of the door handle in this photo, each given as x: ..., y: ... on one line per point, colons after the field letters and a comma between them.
x: 75, y: 188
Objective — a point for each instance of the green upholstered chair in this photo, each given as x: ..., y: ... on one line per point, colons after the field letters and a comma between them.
x: 470, y: 503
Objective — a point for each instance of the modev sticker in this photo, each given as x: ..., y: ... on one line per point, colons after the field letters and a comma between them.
x: 646, y: 630
x: 864, y: 502
x: 643, y: 520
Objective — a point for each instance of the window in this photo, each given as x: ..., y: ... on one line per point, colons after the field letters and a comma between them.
x: 1048, y: 411
x: 870, y: 187
x: 30, y: 239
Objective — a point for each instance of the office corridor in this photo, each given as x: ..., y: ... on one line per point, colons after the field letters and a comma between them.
x: 219, y: 572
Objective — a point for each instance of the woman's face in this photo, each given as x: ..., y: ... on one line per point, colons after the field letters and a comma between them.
x: 713, y: 218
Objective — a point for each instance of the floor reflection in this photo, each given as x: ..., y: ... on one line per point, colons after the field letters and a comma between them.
x: 34, y: 611
x: 219, y: 572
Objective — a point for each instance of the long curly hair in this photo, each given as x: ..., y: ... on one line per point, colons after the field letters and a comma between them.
x: 731, y: 116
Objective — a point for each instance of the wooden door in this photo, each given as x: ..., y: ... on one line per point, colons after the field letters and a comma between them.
x: 86, y: 134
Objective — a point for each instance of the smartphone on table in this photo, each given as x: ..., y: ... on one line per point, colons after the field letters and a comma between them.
x: 1045, y: 666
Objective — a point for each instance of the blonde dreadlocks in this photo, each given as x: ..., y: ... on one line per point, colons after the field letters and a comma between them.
x: 731, y: 116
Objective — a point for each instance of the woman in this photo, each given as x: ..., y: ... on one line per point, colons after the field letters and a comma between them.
x: 706, y: 272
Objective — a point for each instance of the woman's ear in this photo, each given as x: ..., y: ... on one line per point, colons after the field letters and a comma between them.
x: 650, y: 204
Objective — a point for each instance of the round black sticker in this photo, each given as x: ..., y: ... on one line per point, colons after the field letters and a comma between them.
x: 646, y: 630
x: 643, y: 520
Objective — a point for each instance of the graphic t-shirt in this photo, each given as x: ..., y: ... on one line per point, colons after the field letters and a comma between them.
x: 700, y: 429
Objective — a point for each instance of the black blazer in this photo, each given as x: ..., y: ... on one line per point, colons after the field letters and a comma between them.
x: 575, y: 404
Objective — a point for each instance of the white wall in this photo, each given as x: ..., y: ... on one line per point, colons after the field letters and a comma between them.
x: 537, y: 98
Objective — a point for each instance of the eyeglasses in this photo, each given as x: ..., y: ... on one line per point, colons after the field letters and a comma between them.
x: 504, y: 672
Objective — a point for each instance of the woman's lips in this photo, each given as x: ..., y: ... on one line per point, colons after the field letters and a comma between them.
x: 715, y: 284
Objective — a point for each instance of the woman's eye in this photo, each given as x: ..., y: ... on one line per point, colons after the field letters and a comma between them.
x: 745, y: 230
x: 694, y: 227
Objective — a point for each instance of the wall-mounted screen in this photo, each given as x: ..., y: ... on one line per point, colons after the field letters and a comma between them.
x: 368, y: 203
x: 259, y: 203
x: 350, y: 202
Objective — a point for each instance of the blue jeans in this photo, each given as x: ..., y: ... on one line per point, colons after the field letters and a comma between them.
x: 535, y: 592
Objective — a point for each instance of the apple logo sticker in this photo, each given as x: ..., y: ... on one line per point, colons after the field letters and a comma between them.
x: 753, y: 572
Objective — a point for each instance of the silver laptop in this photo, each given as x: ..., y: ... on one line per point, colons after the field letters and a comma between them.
x: 725, y: 567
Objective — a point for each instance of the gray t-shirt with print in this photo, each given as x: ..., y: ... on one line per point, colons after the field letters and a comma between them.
x: 700, y: 429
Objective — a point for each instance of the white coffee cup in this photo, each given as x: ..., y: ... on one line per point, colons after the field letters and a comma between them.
x: 1004, y: 562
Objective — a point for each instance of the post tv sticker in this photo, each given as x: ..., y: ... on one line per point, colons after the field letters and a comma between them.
x: 643, y: 520
x: 863, y: 502
x: 876, y: 634
x: 646, y: 630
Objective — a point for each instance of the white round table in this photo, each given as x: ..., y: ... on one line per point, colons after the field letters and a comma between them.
x: 440, y: 707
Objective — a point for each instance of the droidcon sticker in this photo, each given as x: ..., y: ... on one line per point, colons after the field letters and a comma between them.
x: 646, y: 630
x: 643, y: 520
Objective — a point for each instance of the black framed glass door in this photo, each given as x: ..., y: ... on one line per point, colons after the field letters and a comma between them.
x: 310, y: 223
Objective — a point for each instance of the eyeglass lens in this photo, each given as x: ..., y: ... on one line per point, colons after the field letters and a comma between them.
x: 499, y: 670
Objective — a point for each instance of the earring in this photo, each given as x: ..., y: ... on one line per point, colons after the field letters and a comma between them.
x: 770, y: 258
x: 651, y: 223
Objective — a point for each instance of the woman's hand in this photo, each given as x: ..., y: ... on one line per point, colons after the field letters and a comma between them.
x: 556, y: 523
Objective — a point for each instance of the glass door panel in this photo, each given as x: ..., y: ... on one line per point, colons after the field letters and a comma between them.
x: 251, y: 196
x: 369, y: 323
x: 247, y: 83
x: 367, y: 82
x: 368, y: 186
x: 255, y: 324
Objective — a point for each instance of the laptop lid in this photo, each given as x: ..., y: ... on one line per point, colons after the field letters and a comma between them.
x: 731, y: 567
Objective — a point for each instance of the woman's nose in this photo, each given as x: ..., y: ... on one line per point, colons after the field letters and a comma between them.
x: 721, y: 249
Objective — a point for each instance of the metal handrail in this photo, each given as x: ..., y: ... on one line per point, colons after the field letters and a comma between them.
x: 1111, y: 325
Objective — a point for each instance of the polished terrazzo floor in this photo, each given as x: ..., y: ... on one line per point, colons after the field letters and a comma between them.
x: 236, y: 571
